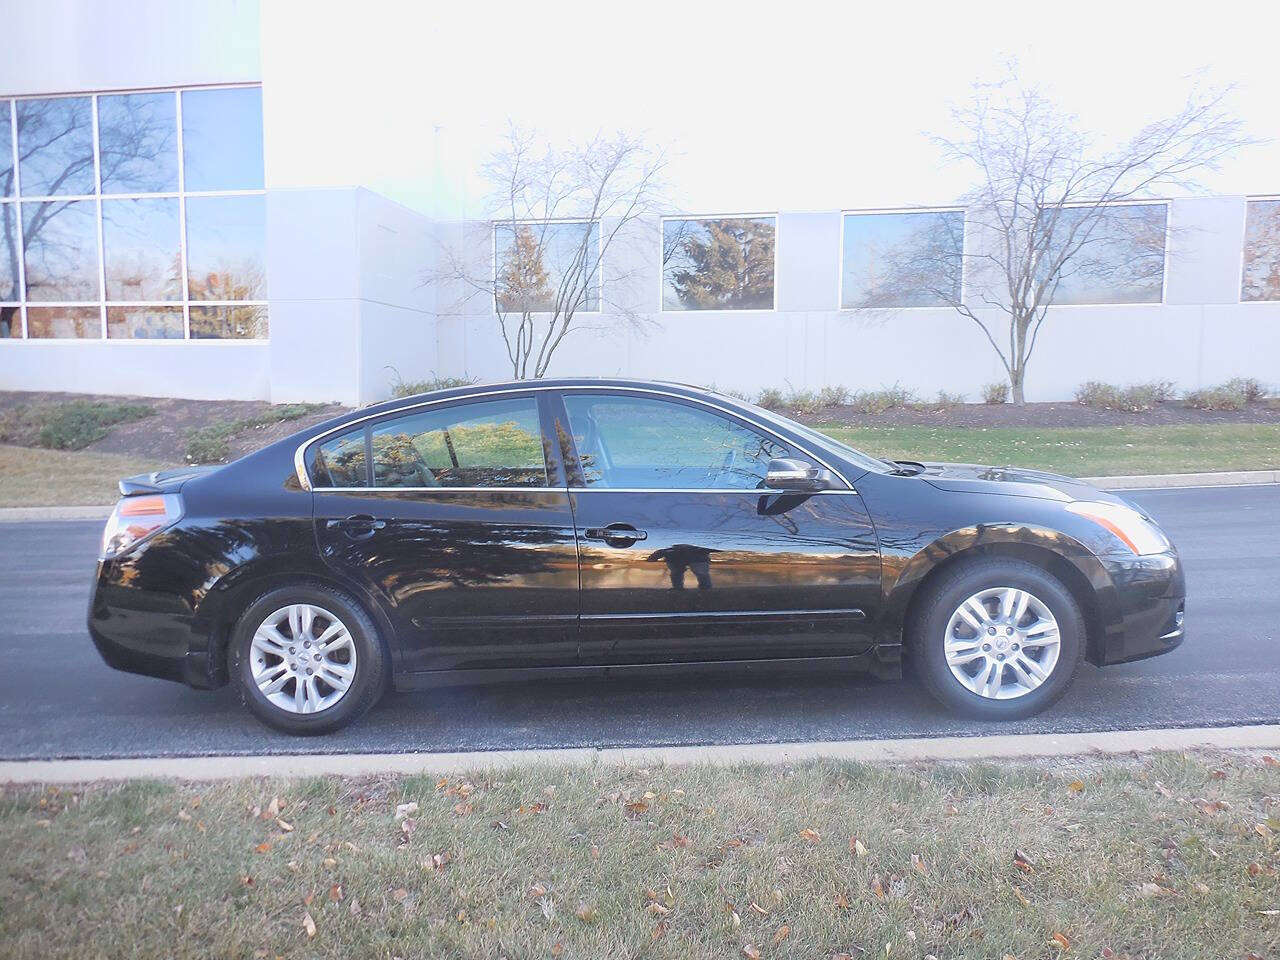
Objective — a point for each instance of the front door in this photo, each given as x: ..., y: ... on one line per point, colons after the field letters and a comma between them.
x: 455, y: 517
x: 683, y: 555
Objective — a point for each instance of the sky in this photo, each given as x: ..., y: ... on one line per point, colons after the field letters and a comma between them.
x: 758, y: 106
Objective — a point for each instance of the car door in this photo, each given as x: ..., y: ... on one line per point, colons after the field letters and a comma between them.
x: 683, y: 556
x: 456, y: 516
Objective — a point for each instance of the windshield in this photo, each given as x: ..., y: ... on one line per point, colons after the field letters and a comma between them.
x: 822, y: 441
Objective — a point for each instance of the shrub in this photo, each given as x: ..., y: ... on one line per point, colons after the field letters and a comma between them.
x: 1249, y: 387
x: 949, y: 399
x: 1216, y: 398
x: 804, y: 401
x: 833, y: 396
x: 75, y: 425
x: 770, y: 398
x: 408, y: 388
x: 212, y: 443
x: 997, y: 392
x: 1135, y: 398
x: 882, y: 400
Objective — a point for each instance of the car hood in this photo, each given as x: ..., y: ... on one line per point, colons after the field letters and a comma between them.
x: 1011, y: 482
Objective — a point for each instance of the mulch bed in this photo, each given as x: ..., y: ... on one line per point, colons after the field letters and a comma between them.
x: 1039, y: 415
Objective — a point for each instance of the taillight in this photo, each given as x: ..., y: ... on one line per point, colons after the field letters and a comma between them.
x: 136, y: 518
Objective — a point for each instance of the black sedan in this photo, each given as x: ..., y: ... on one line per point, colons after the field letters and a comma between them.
x: 585, y: 526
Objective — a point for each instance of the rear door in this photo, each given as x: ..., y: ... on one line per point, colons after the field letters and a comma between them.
x: 683, y: 555
x: 456, y: 515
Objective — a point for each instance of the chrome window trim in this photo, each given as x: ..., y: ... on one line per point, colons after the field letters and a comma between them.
x: 758, y: 491
x: 299, y: 461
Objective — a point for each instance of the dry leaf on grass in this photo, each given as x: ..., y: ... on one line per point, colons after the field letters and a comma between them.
x: 921, y: 867
x: 308, y: 924
x: 1075, y: 786
x: 463, y: 808
x: 751, y: 951
x: 782, y: 933
x: 1023, y: 862
x: 808, y: 833
x: 406, y: 810
x: 262, y: 848
x: 1022, y: 897
x: 335, y: 892
x: 1060, y: 941
x: 856, y: 847
x: 587, y: 913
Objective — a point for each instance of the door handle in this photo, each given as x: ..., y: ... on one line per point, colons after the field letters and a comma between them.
x: 616, y: 534
x: 361, y: 526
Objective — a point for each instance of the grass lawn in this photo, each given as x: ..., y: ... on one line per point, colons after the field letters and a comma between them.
x: 32, y: 477
x: 1079, y: 451
x: 1172, y: 855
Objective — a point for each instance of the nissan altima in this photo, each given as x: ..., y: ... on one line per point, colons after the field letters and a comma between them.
x: 582, y: 527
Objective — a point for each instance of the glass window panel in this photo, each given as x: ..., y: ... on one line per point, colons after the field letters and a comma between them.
x: 61, y: 239
x: 718, y: 264
x: 243, y: 322
x: 894, y: 260
x: 55, y: 146
x: 1261, y: 276
x: 10, y: 322
x: 1120, y: 261
x: 6, y: 150
x: 140, y: 245
x: 144, y: 323
x: 9, y: 289
x: 538, y: 263
x: 138, y: 142
x: 222, y: 139
x: 341, y: 462
x: 64, y: 323
x: 226, y: 248
x: 492, y: 444
x: 639, y: 443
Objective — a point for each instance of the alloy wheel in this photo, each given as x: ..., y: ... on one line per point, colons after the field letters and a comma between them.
x: 303, y: 659
x: 1002, y: 643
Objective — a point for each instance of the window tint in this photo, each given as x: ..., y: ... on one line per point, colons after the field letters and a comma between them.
x: 539, y: 267
x: 341, y: 461
x: 896, y: 260
x: 718, y: 264
x: 640, y: 443
x: 222, y: 138
x: 497, y: 443
x: 1121, y: 261
x: 1261, y: 274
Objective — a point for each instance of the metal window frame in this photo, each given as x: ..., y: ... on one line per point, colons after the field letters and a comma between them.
x: 662, y: 270
x: 1244, y: 239
x: 883, y: 211
x: 304, y: 478
x: 493, y: 237
x: 103, y: 303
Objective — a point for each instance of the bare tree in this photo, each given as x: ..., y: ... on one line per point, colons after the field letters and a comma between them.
x: 1049, y: 206
x: 556, y: 215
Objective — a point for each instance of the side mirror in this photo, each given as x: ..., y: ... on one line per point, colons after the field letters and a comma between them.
x: 788, y: 474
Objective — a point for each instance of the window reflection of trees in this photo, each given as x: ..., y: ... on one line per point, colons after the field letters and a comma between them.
x: 718, y: 264
x: 1260, y: 279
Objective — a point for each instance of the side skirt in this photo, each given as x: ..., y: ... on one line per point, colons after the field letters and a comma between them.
x: 883, y: 662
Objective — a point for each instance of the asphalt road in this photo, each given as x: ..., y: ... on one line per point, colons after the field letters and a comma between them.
x: 57, y: 698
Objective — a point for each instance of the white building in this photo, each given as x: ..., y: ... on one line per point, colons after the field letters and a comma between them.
x: 162, y: 233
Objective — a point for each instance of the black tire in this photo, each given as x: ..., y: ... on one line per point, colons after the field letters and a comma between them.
x: 933, y: 609
x: 372, y: 668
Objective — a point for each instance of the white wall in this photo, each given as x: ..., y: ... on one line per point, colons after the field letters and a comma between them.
x: 63, y: 46
x: 1200, y: 335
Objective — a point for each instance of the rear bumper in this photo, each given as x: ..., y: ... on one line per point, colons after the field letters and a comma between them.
x: 1145, y: 613
x: 146, y: 632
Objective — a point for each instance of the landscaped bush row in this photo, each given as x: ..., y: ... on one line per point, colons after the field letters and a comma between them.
x: 1134, y: 398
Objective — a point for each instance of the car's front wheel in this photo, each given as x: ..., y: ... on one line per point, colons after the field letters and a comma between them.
x: 308, y: 659
x: 997, y: 638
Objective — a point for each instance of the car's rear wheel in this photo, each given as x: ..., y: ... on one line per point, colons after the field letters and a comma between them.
x: 308, y: 659
x: 996, y: 638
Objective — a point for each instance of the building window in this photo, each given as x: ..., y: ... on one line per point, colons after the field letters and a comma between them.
x: 1120, y: 261
x: 1260, y: 277
x: 547, y: 267
x: 908, y: 259
x: 134, y: 216
x: 725, y: 264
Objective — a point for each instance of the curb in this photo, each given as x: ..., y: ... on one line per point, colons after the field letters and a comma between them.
x: 33, y: 514
x: 1228, y: 478
x: 1003, y: 747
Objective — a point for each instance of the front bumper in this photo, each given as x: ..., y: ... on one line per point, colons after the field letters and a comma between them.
x: 1144, y: 606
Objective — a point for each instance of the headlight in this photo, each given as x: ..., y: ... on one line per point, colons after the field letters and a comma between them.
x: 136, y: 518
x: 1132, y: 529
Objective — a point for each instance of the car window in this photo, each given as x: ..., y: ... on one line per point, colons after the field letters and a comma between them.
x: 341, y: 461
x: 644, y: 443
x: 495, y: 443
